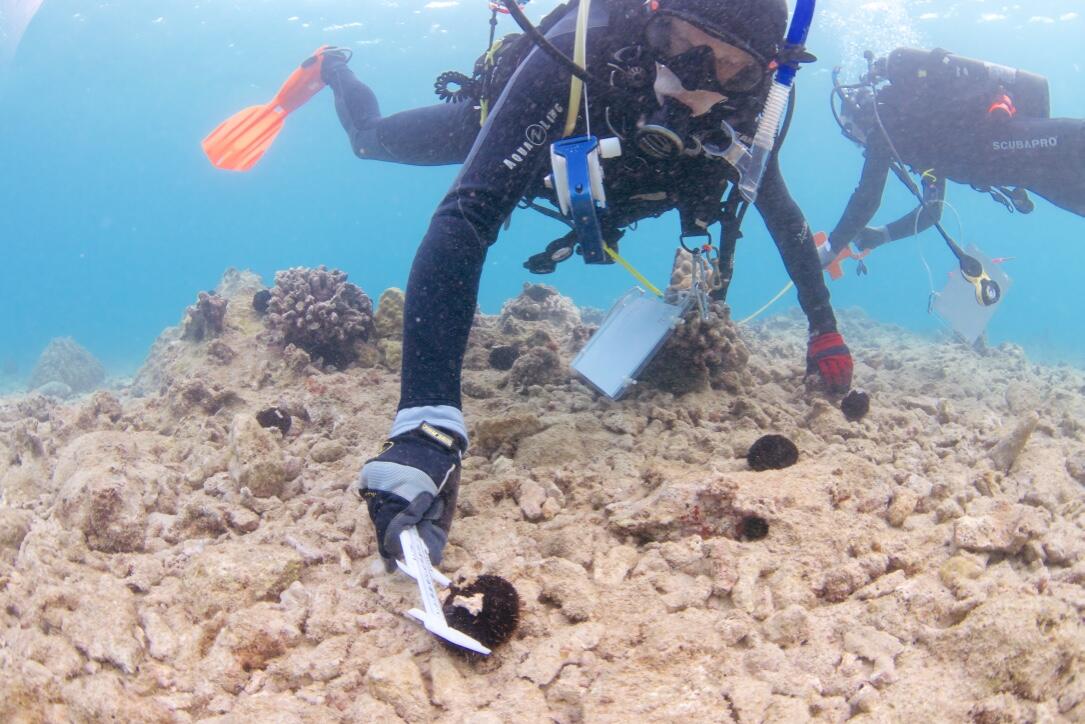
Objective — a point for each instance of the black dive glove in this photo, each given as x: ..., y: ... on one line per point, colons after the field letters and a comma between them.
x: 413, y: 481
x: 331, y: 60
x: 871, y: 237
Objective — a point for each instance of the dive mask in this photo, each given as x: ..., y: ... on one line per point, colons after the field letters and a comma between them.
x: 702, y: 61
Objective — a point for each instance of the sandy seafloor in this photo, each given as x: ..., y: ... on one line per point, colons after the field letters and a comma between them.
x: 164, y: 558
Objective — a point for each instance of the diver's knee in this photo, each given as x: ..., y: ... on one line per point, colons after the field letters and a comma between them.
x: 368, y: 148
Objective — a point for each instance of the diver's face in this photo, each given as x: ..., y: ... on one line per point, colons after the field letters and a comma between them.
x: 703, y: 61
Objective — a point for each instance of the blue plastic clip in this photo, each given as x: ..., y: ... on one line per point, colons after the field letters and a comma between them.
x: 578, y: 182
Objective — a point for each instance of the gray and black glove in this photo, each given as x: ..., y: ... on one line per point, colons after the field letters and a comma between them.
x: 413, y: 481
x: 871, y: 237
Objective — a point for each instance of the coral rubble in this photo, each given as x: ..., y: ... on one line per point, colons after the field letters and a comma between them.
x: 168, y: 554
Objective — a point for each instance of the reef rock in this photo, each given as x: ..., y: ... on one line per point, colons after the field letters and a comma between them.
x: 677, y: 510
x: 320, y: 312
x: 701, y: 354
x: 64, y: 361
x: 164, y: 558
x: 105, y: 480
x: 256, y: 460
x: 1008, y: 449
x: 206, y: 318
x: 397, y: 681
x: 231, y: 576
x: 1027, y: 645
x: 1005, y: 530
x: 388, y: 321
x: 538, y: 366
x: 14, y: 525
x: 542, y: 303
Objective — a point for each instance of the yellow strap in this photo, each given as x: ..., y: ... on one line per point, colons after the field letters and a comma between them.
x: 629, y: 268
x: 580, y: 57
x: 484, y: 103
x: 489, y: 61
x: 759, y: 312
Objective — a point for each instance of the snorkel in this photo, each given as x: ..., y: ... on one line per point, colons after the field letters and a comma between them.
x: 752, y: 164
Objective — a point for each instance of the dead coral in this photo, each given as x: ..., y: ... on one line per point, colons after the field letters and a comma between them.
x: 206, y: 318
x: 541, y: 303
x: 319, y: 311
x: 388, y: 321
x: 198, y: 393
x: 68, y: 363
x: 701, y: 353
x: 538, y: 366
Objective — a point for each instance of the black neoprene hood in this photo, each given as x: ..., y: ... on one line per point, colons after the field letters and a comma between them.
x: 756, y: 26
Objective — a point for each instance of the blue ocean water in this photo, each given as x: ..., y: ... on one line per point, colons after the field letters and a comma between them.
x: 111, y: 218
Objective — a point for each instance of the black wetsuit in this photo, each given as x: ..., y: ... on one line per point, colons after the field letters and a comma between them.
x: 1043, y: 155
x: 507, y: 160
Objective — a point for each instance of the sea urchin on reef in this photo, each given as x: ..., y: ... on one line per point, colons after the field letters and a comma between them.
x: 486, y: 609
x: 855, y: 405
x: 260, y: 301
x: 772, y: 452
x: 503, y: 356
x: 753, y: 527
x: 274, y: 417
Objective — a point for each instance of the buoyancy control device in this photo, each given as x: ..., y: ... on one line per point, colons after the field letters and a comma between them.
x: 939, y: 75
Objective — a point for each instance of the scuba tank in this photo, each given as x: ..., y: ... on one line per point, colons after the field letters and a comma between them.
x: 940, y: 74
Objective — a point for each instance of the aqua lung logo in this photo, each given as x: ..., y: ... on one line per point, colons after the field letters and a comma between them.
x: 534, y: 136
x: 1027, y: 144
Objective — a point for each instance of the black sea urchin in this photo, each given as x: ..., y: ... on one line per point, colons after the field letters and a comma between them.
x: 487, y: 610
x: 274, y: 417
x: 753, y: 527
x: 772, y: 452
x: 503, y: 356
x: 855, y: 405
x: 260, y: 300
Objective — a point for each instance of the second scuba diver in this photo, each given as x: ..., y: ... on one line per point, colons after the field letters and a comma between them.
x: 675, y: 70
x: 952, y: 118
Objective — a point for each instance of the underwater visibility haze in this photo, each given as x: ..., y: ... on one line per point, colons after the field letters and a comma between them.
x: 198, y: 482
x: 112, y: 218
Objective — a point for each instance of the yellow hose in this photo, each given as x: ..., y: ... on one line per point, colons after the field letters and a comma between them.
x: 629, y: 268
x: 580, y: 57
x: 759, y: 312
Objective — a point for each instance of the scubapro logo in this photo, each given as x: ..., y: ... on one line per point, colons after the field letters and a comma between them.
x: 1027, y: 144
x: 534, y: 136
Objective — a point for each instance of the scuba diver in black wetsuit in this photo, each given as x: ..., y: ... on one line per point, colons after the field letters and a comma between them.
x: 956, y: 119
x: 678, y: 81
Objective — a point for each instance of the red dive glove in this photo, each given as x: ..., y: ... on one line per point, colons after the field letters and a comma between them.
x: 829, y: 357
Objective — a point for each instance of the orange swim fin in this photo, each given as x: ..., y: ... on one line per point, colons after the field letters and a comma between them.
x: 239, y: 142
